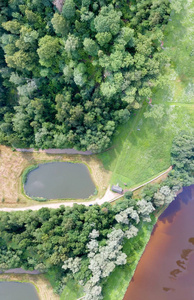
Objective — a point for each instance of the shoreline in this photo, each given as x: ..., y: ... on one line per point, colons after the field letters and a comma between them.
x: 108, y: 197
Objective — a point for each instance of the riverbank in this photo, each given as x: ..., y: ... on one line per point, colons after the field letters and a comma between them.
x: 42, y: 285
x: 149, y: 148
x: 166, y: 267
x: 118, y: 281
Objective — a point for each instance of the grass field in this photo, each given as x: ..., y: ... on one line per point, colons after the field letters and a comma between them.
x: 139, y: 155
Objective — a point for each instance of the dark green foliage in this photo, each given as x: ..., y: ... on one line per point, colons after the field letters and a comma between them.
x: 182, y: 158
x: 69, y: 79
x: 46, y: 238
x: 182, y: 153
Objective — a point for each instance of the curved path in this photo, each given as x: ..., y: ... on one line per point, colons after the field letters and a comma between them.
x: 108, y: 197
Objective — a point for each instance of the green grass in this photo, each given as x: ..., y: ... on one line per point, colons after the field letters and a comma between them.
x: 139, y: 155
x: 118, y: 281
x: 72, y: 291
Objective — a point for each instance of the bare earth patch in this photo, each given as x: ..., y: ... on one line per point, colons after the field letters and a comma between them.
x: 43, y: 286
x: 59, y: 4
x: 12, y: 164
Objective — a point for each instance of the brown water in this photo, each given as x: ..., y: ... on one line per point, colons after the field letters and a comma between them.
x: 166, y: 269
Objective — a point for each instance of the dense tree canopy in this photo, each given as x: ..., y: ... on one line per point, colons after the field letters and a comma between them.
x: 87, y: 241
x: 69, y: 78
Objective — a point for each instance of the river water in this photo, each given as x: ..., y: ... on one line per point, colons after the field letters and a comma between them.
x: 17, y: 291
x: 60, y: 180
x: 166, y: 269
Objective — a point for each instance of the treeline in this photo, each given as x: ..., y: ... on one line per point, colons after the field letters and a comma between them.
x: 86, y: 242
x: 68, y: 79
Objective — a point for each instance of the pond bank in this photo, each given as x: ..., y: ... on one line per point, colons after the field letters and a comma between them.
x: 42, y: 285
x: 108, y: 197
x: 17, y: 291
x: 13, y: 163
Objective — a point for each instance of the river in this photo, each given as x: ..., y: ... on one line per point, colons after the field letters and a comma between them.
x: 166, y: 269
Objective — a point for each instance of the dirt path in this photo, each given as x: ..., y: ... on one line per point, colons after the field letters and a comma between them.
x: 108, y: 197
x: 55, y: 151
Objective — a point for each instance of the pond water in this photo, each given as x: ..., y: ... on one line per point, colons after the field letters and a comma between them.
x: 60, y: 180
x: 166, y: 269
x: 17, y: 291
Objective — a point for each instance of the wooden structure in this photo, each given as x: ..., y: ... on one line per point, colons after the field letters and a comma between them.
x: 117, y: 189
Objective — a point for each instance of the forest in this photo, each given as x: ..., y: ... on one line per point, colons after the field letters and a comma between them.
x: 69, y: 78
x: 85, y: 243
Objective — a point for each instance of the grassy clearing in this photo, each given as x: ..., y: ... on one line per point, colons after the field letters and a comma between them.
x: 139, y: 155
x: 12, y: 165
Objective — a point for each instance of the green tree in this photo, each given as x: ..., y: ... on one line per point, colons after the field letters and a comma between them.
x: 108, y: 20
x: 60, y: 25
x: 48, y: 49
x: 68, y: 10
x: 90, y: 47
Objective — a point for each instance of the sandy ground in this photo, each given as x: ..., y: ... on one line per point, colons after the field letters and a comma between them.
x: 43, y: 287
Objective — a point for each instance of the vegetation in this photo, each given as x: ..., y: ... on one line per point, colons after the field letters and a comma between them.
x: 69, y: 79
x: 148, y: 149
x: 26, y: 172
x: 86, y: 243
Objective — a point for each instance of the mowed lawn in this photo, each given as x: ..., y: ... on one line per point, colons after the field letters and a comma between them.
x: 141, y: 147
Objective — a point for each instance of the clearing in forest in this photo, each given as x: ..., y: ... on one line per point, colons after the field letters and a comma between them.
x: 141, y: 147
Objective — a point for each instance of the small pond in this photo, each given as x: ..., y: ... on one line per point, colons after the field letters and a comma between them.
x: 18, y: 291
x: 59, y: 180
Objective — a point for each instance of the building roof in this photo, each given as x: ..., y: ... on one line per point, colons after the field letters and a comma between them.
x: 117, y: 189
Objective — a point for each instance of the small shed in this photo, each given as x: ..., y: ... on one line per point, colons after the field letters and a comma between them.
x: 117, y: 189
